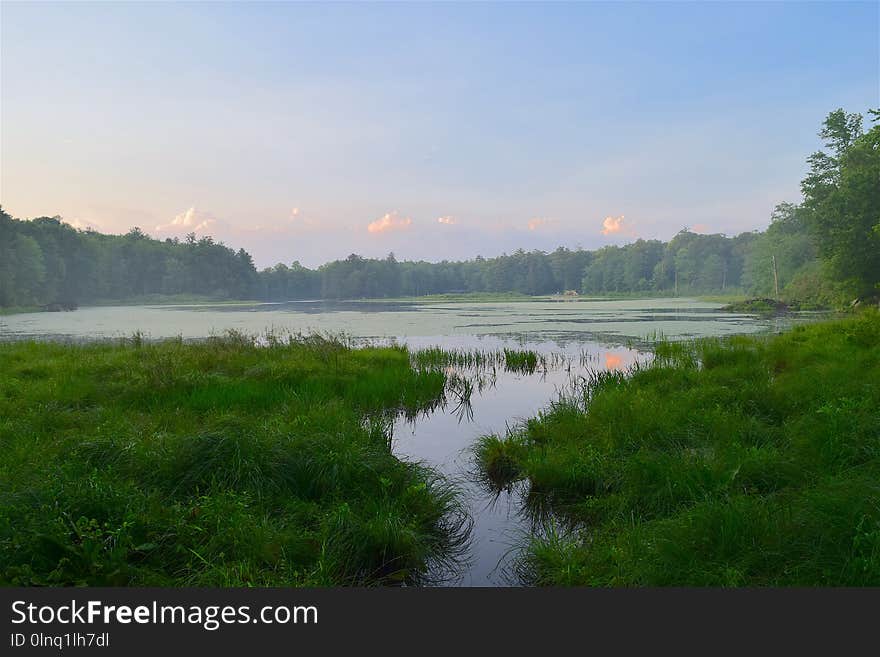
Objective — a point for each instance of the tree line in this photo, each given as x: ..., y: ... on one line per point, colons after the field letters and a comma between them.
x: 45, y: 261
x: 821, y: 251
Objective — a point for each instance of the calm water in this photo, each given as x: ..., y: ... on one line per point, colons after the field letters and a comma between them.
x: 444, y: 438
x: 539, y: 320
x: 591, y: 334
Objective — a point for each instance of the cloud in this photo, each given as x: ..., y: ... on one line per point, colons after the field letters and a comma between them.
x: 191, y: 221
x: 700, y: 228
x: 449, y: 221
x: 389, y: 222
x: 540, y: 222
x: 299, y: 220
x: 81, y: 224
x: 617, y: 226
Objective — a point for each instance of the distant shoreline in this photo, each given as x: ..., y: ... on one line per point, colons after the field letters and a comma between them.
x: 478, y: 297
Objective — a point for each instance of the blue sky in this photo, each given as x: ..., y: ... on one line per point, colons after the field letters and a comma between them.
x: 310, y: 131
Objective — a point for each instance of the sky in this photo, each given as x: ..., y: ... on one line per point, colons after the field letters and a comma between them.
x: 306, y: 132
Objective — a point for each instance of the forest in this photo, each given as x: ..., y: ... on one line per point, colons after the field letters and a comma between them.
x: 823, y: 251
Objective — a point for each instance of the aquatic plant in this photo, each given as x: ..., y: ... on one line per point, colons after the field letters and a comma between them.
x: 511, y: 360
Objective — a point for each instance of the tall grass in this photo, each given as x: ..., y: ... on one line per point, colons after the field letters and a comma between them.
x: 233, y: 461
x: 740, y: 461
x: 480, y: 360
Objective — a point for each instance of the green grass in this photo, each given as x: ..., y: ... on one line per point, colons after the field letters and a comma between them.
x: 143, y: 300
x: 722, y: 298
x: 743, y: 461
x: 16, y: 310
x: 523, y: 361
x: 216, y: 463
x: 763, y: 306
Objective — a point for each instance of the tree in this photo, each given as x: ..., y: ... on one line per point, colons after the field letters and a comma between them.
x: 842, y: 198
x: 788, y: 240
x: 30, y: 270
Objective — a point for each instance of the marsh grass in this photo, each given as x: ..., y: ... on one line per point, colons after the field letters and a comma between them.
x: 739, y: 461
x: 479, y: 360
x: 237, y: 460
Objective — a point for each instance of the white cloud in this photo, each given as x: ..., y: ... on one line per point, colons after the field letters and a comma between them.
x: 617, y: 226
x: 191, y: 221
x: 449, y: 221
x: 389, y: 222
x: 81, y: 224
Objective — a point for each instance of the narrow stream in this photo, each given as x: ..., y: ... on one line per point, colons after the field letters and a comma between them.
x: 444, y: 438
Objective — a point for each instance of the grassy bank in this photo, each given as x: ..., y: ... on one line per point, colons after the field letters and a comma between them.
x: 18, y: 310
x: 745, y: 461
x: 216, y: 463
x: 722, y: 298
x: 766, y: 306
x: 174, y: 300
x: 142, y: 300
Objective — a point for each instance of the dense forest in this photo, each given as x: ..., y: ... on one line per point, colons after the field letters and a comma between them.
x: 45, y: 261
x: 822, y: 251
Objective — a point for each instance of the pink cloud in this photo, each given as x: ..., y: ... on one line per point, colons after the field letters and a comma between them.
x: 191, y: 221
x: 389, y: 222
x: 617, y: 226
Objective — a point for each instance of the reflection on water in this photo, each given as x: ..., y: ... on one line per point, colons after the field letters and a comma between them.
x: 613, y: 361
x: 444, y: 438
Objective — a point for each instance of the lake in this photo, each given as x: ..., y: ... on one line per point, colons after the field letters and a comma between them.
x: 583, y: 335
x: 542, y: 320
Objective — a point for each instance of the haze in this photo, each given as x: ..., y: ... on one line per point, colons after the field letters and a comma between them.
x: 436, y: 131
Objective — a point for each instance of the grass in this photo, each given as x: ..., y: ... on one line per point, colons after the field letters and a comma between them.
x: 525, y: 361
x: 724, y: 462
x: 763, y: 306
x: 142, y: 300
x: 722, y: 298
x: 17, y: 310
x: 217, y: 463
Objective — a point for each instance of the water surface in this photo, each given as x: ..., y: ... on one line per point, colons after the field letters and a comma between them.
x: 559, y: 320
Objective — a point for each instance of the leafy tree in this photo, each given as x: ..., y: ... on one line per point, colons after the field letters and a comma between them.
x: 789, y: 241
x: 842, y: 197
